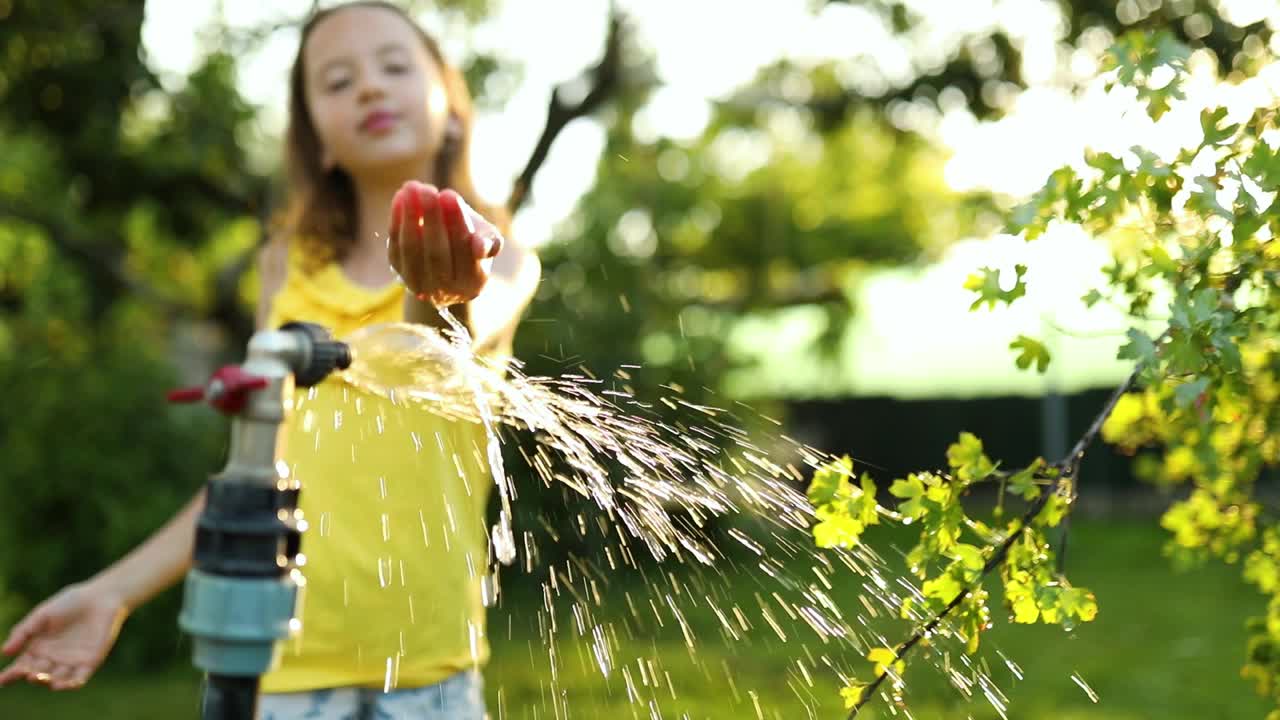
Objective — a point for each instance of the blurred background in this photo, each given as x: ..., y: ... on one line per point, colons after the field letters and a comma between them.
x: 769, y: 205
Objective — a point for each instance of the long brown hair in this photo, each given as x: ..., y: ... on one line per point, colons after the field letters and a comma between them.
x: 322, y: 211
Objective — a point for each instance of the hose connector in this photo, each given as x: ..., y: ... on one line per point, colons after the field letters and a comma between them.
x: 324, y: 354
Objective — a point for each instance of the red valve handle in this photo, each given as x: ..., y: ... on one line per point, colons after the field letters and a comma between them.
x: 227, y: 391
x: 186, y: 395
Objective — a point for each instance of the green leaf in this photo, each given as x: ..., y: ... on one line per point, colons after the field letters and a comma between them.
x: 919, y: 557
x: 1079, y: 603
x: 1159, y: 101
x: 1091, y: 298
x: 864, y: 507
x: 969, y: 557
x: 1247, y: 224
x: 908, y: 604
x: 1049, y: 600
x: 908, y: 488
x: 1229, y: 349
x: 1160, y: 261
x: 986, y: 282
x: 882, y: 656
x: 1109, y: 164
x: 1032, y: 351
x: 942, y: 589
x: 1184, y: 353
x: 973, y: 619
x: 1021, y: 602
x: 1023, y: 482
x: 965, y: 451
x: 1140, y: 347
x: 967, y: 461
x: 1053, y: 511
x: 1203, y: 305
x: 1263, y: 165
x: 1170, y: 51
x: 829, y: 480
x: 1187, y: 393
x: 1149, y: 163
x: 1215, y: 132
x: 852, y: 694
x: 1205, y: 199
x: 837, y: 531
x: 912, y: 491
x: 1261, y: 570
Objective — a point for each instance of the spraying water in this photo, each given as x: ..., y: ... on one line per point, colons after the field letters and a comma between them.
x: 659, y: 488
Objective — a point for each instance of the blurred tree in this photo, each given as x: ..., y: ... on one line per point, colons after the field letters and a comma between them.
x: 987, y: 65
x: 684, y: 253
x: 118, y: 201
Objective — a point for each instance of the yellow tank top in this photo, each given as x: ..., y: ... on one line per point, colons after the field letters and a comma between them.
x: 395, y: 499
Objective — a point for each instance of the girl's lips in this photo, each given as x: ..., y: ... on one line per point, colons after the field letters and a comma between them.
x: 378, y: 122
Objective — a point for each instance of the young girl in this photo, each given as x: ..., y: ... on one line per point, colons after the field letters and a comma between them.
x: 393, y: 622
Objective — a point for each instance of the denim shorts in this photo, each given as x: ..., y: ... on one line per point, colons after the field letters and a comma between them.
x: 458, y: 697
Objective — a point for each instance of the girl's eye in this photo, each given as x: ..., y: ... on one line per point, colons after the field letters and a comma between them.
x: 337, y: 84
x: 397, y: 68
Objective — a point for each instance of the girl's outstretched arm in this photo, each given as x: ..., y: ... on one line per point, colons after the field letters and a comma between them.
x: 496, y: 312
x: 64, y: 639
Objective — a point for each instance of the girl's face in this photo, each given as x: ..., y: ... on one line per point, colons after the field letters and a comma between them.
x: 374, y: 93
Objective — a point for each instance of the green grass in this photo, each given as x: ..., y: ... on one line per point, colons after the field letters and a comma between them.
x: 1165, y: 645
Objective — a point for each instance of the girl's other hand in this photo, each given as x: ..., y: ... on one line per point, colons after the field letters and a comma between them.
x: 442, y: 249
x: 65, y: 638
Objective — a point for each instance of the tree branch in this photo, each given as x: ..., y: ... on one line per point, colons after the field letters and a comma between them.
x: 106, y: 264
x: 604, y: 79
x: 1069, y: 467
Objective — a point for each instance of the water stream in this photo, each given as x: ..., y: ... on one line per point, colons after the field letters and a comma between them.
x: 711, y: 522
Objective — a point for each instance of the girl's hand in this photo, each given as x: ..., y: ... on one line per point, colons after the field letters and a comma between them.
x: 65, y: 638
x: 442, y: 249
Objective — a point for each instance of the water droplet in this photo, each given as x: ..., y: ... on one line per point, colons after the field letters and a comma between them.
x: 504, y: 543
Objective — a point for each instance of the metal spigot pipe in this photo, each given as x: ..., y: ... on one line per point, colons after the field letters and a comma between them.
x: 241, y: 591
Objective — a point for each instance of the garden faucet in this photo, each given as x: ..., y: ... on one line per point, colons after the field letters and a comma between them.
x: 240, y: 593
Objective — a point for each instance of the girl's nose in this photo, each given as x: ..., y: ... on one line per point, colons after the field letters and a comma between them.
x: 370, y: 91
x: 371, y: 87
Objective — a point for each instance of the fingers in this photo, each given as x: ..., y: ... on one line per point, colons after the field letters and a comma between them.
x: 66, y: 677
x: 437, y: 248
x: 411, y: 270
x: 78, y: 677
x: 32, y: 624
x: 40, y: 667
x: 426, y: 264
x: 16, y: 670
x: 460, y: 232
x: 487, y: 244
x: 394, y: 240
x: 27, y: 667
x: 485, y: 240
x: 440, y: 247
x: 40, y: 670
x: 475, y: 241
